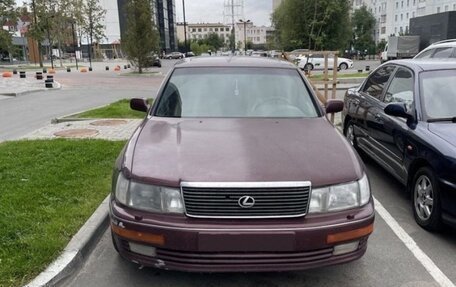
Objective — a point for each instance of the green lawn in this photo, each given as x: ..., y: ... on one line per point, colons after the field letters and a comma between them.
x: 340, y: 76
x: 119, y: 109
x: 48, y: 189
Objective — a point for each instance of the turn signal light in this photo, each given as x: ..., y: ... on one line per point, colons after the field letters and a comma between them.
x: 350, y: 235
x: 145, y: 237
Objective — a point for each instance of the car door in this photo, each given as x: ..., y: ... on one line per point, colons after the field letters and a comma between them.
x: 393, y: 132
x: 371, y: 104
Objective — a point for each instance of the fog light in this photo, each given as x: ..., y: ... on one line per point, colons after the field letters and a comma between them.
x: 142, y: 249
x: 345, y: 248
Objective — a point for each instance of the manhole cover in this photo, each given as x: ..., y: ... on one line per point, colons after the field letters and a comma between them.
x: 77, y: 133
x: 109, y: 123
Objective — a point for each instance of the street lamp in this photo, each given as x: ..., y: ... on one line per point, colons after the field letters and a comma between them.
x: 245, y: 34
x: 185, y: 29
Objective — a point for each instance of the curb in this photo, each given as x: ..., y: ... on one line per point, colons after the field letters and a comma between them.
x: 58, y: 86
x: 77, y: 249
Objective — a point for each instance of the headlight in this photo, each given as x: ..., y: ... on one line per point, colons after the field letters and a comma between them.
x: 340, y: 197
x: 148, y: 197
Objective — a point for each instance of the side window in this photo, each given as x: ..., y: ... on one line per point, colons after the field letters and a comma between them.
x: 426, y: 54
x: 401, y: 88
x: 443, y: 52
x: 377, y: 81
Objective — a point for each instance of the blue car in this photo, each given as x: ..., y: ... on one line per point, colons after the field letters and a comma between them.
x: 404, y: 117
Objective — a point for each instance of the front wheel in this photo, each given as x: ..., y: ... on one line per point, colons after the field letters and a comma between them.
x: 308, y: 67
x: 350, y: 134
x: 343, y: 66
x: 426, y: 199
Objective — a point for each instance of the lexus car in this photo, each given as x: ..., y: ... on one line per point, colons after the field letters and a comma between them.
x: 236, y: 168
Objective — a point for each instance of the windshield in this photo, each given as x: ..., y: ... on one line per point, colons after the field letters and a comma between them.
x: 438, y: 89
x: 236, y: 92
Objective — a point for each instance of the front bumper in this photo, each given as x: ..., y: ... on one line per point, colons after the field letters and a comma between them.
x: 203, y: 245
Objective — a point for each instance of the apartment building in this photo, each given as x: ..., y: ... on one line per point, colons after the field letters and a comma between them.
x: 257, y: 35
x: 393, y: 16
x: 199, y: 31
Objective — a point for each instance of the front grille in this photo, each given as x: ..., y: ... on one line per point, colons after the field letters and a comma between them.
x: 222, y: 200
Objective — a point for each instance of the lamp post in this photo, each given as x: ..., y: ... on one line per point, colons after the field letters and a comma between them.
x: 185, y: 29
x: 245, y: 34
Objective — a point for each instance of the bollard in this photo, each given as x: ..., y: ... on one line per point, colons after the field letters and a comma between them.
x: 68, y: 70
x: 107, y: 68
x: 368, y: 68
x: 50, y: 77
x: 39, y: 75
x: 90, y: 69
x: 129, y: 66
x: 360, y: 71
x: 125, y: 67
x: 44, y: 70
x: 83, y: 70
x: 22, y: 75
x: 14, y: 72
x: 49, y: 83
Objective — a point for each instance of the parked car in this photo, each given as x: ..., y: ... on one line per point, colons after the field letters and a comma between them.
x: 440, y: 50
x: 403, y: 116
x: 317, y: 61
x: 153, y: 61
x: 259, y: 54
x: 189, y: 54
x: 174, y: 55
x: 293, y: 55
x: 250, y: 178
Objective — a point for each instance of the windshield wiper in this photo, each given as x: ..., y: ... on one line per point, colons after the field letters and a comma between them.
x: 453, y: 119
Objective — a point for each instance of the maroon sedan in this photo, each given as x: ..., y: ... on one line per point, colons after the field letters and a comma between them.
x: 236, y: 168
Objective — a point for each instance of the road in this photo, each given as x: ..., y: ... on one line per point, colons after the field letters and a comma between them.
x: 399, y: 254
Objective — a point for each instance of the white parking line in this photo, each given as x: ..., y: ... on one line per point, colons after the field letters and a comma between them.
x: 428, y: 264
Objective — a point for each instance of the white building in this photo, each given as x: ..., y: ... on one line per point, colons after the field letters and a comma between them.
x: 393, y: 16
x: 202, y: 30
x: 254, y: 34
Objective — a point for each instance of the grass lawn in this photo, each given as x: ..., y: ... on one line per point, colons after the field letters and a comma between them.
x: 340, y: 76
x: 48, y: 189
x: 119, y: 109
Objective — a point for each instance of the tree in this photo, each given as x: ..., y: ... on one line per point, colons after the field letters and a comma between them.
x: 7, y: 13
x: 215, y: 41
x: 312, y: 24
x: 141, y: 37
x: 363, y: 25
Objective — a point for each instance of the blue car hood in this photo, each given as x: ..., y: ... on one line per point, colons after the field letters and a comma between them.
x: 444, y: 130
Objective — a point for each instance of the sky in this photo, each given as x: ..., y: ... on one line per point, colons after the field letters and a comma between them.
x: 197, y: 11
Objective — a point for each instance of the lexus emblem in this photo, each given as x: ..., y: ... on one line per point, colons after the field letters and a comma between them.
x: 246, y: 201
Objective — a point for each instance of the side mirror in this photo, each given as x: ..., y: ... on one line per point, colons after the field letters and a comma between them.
x: 334, y: 106
x: 139, y: 105
x: 397, y: 110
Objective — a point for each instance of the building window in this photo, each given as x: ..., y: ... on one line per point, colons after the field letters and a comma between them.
x: 395, y: 30
x: 199, y: 29
x: 414, y: 2
x: 454, y: 6
x: 216, y: 29
x: 413, y: 14
x: 383, y: 30
x: 402, y: 17
x: 438, y: 9
x: 407, y: 15
x: 395, y: 18
x: 446, y: 8
x: 401, y: 30
x: 397, y: 4
x: 193, y: 30
x: 408, y: 3
x: 402, y: 4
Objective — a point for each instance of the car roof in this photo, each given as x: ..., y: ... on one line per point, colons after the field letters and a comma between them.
x: 426, y: 64
x: 234, y: 61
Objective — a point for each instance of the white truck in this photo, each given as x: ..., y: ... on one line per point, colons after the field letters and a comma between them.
x: 400, y: 47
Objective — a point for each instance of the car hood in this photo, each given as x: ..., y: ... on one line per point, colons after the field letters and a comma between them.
x: 444, y: 130
x: 168, y: 151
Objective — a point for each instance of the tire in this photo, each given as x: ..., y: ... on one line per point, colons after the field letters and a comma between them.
x: 349, y: 133
x: 308, y: 66
x: 426, y: 200
x: 343, y: 66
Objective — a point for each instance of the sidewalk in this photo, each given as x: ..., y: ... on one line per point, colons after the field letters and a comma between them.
x: 108, y: 129
x: 16, y: 86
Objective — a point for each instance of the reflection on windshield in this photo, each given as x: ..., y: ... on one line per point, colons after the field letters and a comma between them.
x: 439, y: 93
x: 235, y: 92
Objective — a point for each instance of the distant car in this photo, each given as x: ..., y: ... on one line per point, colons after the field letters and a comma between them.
x: 153, y: 61
x: 293, y: 55
x: 441, y: 50
x: 226, y: 53
x: 174, y: 55
x: 259, y: 54
x: 317, y: 61
x: 236, y: 168
x: 189, y: 54
x: 404, y: 117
